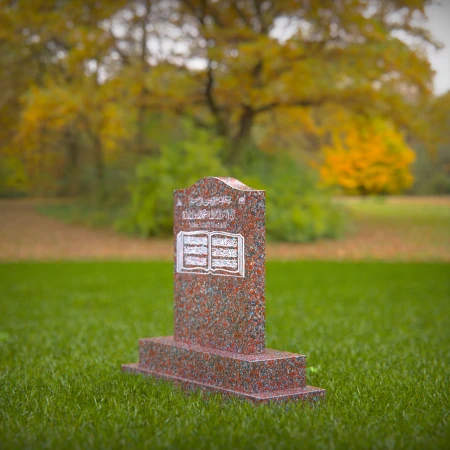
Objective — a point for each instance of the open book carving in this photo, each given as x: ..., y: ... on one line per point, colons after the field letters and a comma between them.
x: 212, y: 252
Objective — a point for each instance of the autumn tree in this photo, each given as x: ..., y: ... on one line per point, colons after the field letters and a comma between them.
x: 54, y: 49
x: 368, y: 160
x: 64, y: 118
x: 432, y: 169
x: 263, y: 57
x: 235, y: 68
x: 78, y: 93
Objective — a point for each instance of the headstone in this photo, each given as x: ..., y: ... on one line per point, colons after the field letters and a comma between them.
x: 219, y: 295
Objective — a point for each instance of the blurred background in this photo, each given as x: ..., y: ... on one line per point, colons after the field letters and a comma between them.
x: 107, y: 106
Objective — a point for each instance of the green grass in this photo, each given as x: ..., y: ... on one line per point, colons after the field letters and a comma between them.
x: 417, y: 212
x: 376, y: 336
x: 415, y: 222
x: 77, y: 212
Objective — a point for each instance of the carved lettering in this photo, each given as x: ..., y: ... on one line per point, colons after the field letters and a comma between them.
x: 226, y: 252
x: 194, y: 240
x: 231, y: 263
x: 196, y: 261
x: 224, y: 242
x: 205, y: 214
x: 213, y: 201
x: 190, y: 250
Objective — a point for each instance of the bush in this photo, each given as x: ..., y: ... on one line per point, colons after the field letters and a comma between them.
x: 371, y: 159
x: 297, y: 210
x: 179, y: 164
x: 432, y: 172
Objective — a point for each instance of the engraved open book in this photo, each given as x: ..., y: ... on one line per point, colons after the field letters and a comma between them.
x: 212, y: 252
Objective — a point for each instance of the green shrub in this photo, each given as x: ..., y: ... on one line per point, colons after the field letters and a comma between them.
x: 297, y: 210
x: 179, y: 164
x: 432, y: 172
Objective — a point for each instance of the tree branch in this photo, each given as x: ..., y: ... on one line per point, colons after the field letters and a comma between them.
x: 145, y: 20
x: 241, y: 14
x: 203, y: 11
x: 211, y: 103
x: 273, y: 105
x: 125, y: 58
x: 262, y: 25
x: 197, y: 120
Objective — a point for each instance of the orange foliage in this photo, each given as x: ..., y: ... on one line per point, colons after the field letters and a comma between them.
x: 371, y: 160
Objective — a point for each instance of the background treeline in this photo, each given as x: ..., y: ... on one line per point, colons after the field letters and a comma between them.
x: 119, y: 102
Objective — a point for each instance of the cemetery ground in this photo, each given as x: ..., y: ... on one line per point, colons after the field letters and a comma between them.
x: 396, y: 229
x: 375, y: 333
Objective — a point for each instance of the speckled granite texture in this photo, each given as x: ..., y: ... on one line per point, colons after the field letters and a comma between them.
x: 271, y: 370
x: 219, y: 296
x: 223, y: 308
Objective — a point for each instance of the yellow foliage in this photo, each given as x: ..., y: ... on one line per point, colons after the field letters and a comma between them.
x: 12, y: 174
x: 373, y: 159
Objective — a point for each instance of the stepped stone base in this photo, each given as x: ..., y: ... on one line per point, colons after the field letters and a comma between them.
x: 268, y: 376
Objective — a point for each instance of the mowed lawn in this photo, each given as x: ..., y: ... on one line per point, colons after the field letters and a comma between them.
x: 413, y: 215
x: 376, y: 336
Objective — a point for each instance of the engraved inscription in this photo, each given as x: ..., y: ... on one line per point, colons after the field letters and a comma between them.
x: 196, y: 240
x: 232, y: 263
x: 196, y: 261
x: 210, y: 224
x: 189, y: 250
x: 213, y: 201
x: 224, y: 242
x: 210, y: 252
x: 206, y: 214
x: 230, y: 252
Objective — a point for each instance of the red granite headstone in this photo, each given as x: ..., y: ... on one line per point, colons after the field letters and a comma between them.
x: 219, y: 284
x: 219, y: 233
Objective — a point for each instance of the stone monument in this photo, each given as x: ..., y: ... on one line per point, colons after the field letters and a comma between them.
x: 219, y: 293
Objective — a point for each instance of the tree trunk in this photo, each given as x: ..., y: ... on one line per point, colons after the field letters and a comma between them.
x: 142, y: 108
x: 73, y: 162
x: 99, y: 163
x: 242, y: 137
x: 140, y: 135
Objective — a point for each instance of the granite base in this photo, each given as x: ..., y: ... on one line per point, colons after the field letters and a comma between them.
x: 268, y: 376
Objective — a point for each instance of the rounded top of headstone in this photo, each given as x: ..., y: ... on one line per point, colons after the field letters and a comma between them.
x: 231, y: 182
